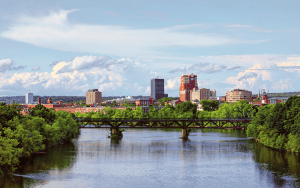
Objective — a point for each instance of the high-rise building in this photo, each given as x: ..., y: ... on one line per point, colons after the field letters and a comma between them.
x: 158, y: 89
x: 29, y: 98
x: 187, y: 83
x: 93, y: 96
x: 213, y: 93
x: 238, y: 95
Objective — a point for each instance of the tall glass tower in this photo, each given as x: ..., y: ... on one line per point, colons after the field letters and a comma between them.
x: 158, y: 89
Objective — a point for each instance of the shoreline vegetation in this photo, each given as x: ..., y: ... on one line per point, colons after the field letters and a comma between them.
x: 21, y: 136
x: 276, y: 126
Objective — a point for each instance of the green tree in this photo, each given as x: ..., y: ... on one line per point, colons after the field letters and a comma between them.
x: 8, y: 113
x: 186, y: 109
x: 9, y: 155
x: 166, y: 112
x: 41, y: 111
x: 209, y: 105
x: 152, y: 113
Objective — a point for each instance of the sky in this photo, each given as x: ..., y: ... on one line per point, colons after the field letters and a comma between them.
x: 67, y: 47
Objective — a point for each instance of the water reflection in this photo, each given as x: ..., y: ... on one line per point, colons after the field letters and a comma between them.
x: 36, y: 170
x: 285, y: 166
x: 159, y: 158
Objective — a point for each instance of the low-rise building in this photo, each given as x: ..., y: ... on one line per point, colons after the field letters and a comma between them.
x: 238, y: 95
x: 141, y: 102
x: 174, y: 102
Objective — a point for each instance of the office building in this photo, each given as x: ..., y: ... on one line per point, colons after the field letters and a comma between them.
x: 213, y: 93
x: 238, y: 95
x: 198, y: 95
x: 187, y: 83
x: 29, y: 98
x: 93, y: 96
x: 157, y: 89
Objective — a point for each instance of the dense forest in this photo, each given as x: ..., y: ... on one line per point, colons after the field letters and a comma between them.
x: 278, y: 125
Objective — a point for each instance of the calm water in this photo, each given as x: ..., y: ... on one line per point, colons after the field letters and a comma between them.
x: 157, y: 158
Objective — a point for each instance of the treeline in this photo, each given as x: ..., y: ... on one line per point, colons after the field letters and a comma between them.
x: 278, y: 125
x: 20, y: 136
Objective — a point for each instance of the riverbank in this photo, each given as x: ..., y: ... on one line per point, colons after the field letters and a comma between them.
x: 21, y: 136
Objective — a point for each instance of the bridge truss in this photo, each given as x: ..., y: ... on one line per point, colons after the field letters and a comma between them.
x: 163, y: 123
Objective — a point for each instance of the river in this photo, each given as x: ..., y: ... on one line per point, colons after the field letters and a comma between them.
x: 159, y: 158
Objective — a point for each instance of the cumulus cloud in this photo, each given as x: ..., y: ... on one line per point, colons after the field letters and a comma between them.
x: 268, y: 75
x: 172, y: 84
x: 53, y: 63
x: 18, y: 68
x: 111, y: 77
x: 36, y: 68
x: 283, y: 84
x: 5, y: 64
x: 198, y: 66
x: 86, y: 62
x: 179, y: 69
x: 56, y: 32
x: 248, y: 75
x: 213, y: 69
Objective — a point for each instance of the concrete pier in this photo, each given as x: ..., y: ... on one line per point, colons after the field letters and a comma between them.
x: 116, y: 133
x: 184, y: 133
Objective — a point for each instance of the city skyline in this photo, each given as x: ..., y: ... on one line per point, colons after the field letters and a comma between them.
x: 66, y: 48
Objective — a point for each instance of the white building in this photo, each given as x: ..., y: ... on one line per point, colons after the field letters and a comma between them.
x: 29, y: 98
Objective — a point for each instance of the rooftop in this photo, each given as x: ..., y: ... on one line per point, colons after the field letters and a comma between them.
x: 92, y: 90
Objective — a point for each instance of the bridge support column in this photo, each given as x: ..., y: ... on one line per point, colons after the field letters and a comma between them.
x: 184, y: 133
x: 116, y: 133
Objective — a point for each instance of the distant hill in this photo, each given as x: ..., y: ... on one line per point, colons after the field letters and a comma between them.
x: 21, y: 99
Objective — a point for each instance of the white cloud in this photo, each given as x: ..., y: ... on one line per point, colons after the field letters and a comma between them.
x: 112, y: 77
x: 283, y: 84
x: 268, y: 75
x: 5, y: 64
x: 56, y: 32
x: 179, y: 69
x: 172, y: 84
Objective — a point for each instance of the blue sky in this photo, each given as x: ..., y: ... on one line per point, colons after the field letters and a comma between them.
x: 67, y: 47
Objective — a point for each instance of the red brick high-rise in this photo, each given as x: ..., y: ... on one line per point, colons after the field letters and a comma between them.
x: 187, y: 83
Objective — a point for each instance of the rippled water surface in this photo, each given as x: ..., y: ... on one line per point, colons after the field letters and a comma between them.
x: 159, y: 158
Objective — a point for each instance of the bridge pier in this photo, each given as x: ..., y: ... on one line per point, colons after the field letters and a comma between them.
x: 116, y: 133
x: 184, y: 133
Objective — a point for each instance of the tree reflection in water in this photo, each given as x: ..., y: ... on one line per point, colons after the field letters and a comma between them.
x: 227, y: 147
x: 58, y: 159
x: 280, y: 163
